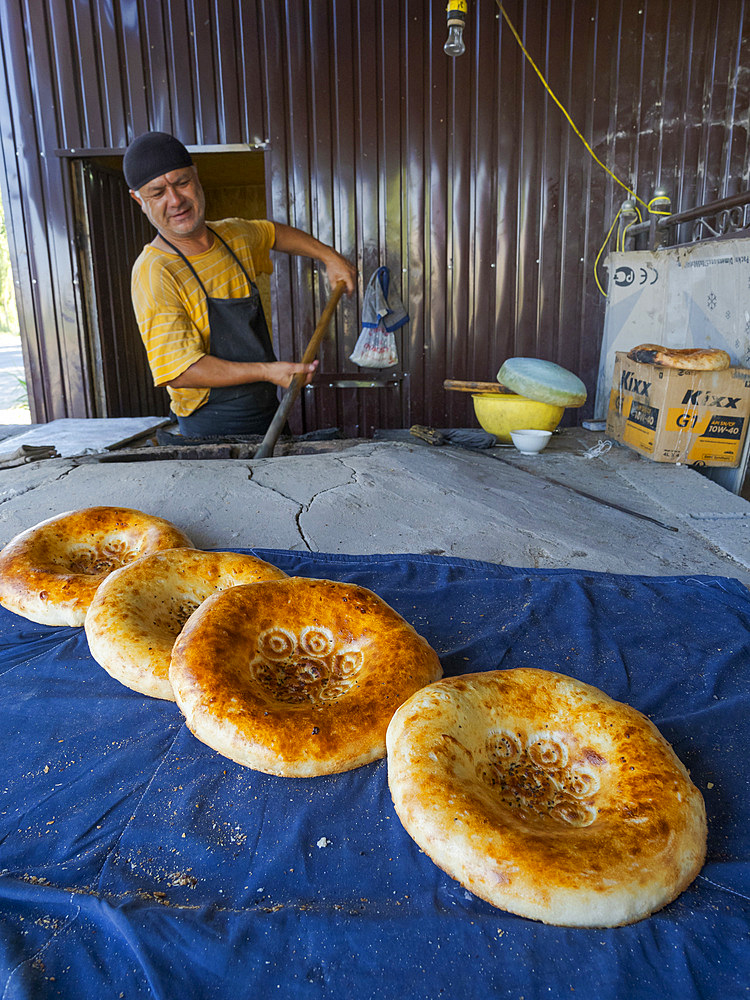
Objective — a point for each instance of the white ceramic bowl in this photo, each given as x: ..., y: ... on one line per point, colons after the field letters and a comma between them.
x: 530, y: 442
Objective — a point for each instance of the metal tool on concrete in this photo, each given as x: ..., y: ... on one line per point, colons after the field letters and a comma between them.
x: 265, y: 450
x: 590, y: 496
x: 434, y: 437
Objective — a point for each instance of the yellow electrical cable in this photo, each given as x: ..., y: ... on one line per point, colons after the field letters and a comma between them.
x: 596, y: 262
x: 664, y: 200
x: 560, y: 106
x: 622, y: 232
x: 660, y: 199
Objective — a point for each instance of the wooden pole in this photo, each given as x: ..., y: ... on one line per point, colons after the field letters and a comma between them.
x: 265, y: 449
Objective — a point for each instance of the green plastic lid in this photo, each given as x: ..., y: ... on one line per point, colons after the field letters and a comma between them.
x: 543, y: 381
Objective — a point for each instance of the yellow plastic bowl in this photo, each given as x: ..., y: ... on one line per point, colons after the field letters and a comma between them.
x: 501, y: 413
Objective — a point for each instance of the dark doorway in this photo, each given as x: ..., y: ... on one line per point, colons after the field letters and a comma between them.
x: 110, y: 232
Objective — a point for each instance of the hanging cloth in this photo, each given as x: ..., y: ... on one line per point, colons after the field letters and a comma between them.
x: 382, y: 313
x: 238, y: 332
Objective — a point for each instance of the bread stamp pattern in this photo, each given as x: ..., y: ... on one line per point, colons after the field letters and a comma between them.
x: 534, y: 778
x: 308, y: 667
x: 104, y: 558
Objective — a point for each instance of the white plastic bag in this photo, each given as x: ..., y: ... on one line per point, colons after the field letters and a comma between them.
x: 375, y: 348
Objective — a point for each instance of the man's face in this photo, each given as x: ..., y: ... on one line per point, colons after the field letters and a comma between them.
x: 174, y: 203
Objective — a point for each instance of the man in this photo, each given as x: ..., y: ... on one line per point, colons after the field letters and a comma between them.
x: 196, y: 301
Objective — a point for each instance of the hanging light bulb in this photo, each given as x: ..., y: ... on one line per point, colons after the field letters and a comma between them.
x: 456, y: 17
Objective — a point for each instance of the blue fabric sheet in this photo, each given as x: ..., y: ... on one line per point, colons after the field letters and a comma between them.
x: 137, y: 862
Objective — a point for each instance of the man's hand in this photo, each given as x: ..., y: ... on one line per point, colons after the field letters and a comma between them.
x: 281, y: 373
x: 338, y: 269
x: 294, y: 241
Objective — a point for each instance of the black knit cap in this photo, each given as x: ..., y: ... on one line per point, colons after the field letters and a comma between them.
x: 151, y: 155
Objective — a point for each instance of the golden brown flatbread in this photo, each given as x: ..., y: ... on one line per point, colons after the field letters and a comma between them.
x: 139, y: 610
x: 297, y: 677
x: 703, y: 359
x: 545, y: 797
x: 50, y: 572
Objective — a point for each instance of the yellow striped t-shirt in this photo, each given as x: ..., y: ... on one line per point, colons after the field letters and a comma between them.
x: 170, y: 307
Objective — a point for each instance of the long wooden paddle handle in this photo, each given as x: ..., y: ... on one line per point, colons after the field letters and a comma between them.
x: 457, y: 386
x: 265, y: 449
x: 325, y: 318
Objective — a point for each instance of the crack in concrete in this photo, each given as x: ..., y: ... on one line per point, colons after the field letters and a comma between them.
x: 16, y: 495
x: 297, y: 516
x: 67, y: 472
x: 35, y: 486
x: 304, y: 508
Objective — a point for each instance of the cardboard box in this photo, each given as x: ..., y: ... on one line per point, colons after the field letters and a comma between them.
x: 689, y: 296
x: 671, y: 415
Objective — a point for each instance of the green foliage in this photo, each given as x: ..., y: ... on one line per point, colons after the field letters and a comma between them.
x: 8, y: 314
x: 22, y: 400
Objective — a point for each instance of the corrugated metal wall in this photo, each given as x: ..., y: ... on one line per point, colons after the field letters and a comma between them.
x: 463, y: 177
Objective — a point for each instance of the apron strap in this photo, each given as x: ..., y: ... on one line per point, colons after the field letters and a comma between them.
x: 237, y: 259
x: 195, y: 273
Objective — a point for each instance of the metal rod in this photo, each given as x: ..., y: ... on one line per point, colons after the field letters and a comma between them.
x: 614, y: 506
x: 265, y: 449
x: 588, y: 496
x: 710, y: 208
x: 435, y: 437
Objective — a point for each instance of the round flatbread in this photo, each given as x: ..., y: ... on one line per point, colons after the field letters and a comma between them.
x: 545, y: 797
x: 139, y: 610
x: 50, y: 572
x: 298, y: 677
x: 702, y: 359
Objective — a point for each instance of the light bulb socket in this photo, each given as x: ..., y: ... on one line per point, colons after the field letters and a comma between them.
x: 455, y: 13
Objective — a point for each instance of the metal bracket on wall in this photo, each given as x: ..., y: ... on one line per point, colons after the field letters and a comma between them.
x: 348, y: 380
x: 724, y: 219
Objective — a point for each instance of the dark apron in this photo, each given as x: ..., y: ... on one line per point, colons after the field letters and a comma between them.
x: 238, y: 332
